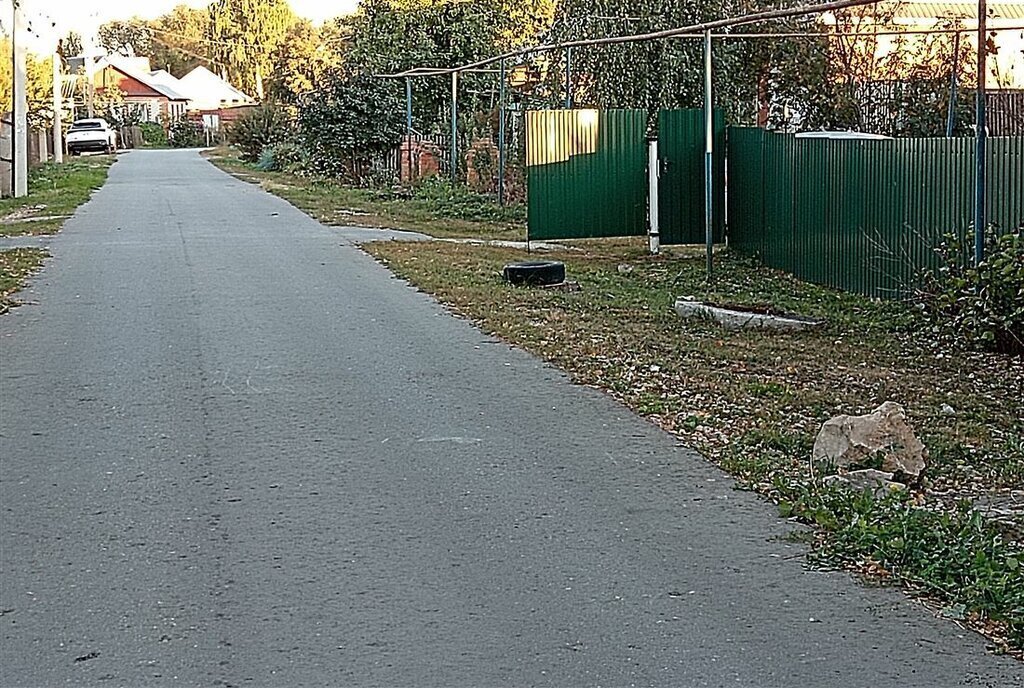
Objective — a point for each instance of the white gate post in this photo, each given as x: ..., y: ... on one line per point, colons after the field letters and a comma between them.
x: 653, y: 174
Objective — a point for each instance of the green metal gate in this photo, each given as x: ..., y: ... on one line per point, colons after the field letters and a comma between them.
x: 586, y: 173
x: 681, y: 189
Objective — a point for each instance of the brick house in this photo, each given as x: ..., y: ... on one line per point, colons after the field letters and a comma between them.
x: 151, y: 95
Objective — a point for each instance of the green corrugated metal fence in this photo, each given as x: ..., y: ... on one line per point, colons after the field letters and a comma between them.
x: 861, y: 215
x: 681, y: 189
x: 586, y: 173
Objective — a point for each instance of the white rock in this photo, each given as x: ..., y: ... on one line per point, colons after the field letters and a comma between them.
x: 851, y: 441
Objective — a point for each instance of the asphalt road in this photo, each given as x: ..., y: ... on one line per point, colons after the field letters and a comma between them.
x: 237, y: 452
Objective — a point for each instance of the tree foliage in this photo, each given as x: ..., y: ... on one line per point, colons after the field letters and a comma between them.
x: 854, y: 79
x: 70, y: 46
x: 38, y: 85
x: 246, y: 35
x: 179, y: 42
x: 352, y: 119
x: 980, y: 306
x: 394, y: 35
x: 125, y: 37
x: 306, y: 57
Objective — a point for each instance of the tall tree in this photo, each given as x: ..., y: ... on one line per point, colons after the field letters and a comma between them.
x: 303, y: 61
x: 179, y: 40
x: 394, y: 35
x: 70, y: 46
x: 246, y: 33
x: 125, y: 37
x: 38, y: 84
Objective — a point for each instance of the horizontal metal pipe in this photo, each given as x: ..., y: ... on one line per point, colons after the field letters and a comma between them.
x: 781, y: 13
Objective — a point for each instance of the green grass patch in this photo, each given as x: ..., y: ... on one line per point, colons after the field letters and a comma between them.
x: 435, y: 207
x: 54, y: 192
x: 754, y: 401
x: 16, y: 266
x: 954, y: 555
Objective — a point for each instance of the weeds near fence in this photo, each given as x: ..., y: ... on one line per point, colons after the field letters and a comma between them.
x: 978, y: 305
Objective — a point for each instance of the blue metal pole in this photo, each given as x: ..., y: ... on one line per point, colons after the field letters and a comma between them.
x: 501, y: 134
x: 455, y: 127
x: 408, y: 127
x: 709, y: 142
x: 980, y: 139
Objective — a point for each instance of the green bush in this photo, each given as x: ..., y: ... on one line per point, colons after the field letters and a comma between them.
x: 981, y: 306
x: 281, y: 157
x: 153, y: 134
x: 259, y: 128
x: 348, y: 122
x: 185, y: 133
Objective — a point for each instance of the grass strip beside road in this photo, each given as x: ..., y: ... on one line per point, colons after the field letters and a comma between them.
x: 434, y: 207
x: 54, y: 192
x: 753, y: 402
x: 16, y: 266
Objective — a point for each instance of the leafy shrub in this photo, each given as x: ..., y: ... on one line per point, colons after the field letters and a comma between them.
x: 348, y: 122
x: 259, y: 128
x: 957, y: 557
x: 447, y: 199
x: 282, y: 156
x: 153, y: 134
x: 185, y: 133
x: 981, y: 305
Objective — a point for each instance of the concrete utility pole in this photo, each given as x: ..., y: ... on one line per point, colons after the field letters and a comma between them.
x: 58, y: 101
x: 20, y: 110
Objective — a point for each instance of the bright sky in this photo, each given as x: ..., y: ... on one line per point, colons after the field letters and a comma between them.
x: 85, y: 15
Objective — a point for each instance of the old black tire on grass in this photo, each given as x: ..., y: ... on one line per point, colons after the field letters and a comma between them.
x: 535, y: 272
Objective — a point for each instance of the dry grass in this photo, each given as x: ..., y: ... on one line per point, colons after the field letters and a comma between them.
x: 435, y: 208
x: 16, y: 266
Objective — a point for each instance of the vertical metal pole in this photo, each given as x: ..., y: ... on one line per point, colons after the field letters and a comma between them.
x: 951, y: 115
x: 501, y: 134
x: 19, y: 95
x: 408, y: 130
x: 455, y: 127
x: 709, y: 143
x: 568, y: 79
x: 980, y: 137
x: 58, y: 143
x: 653, y: 174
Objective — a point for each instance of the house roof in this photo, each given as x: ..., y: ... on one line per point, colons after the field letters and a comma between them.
x: 207, y: 89
x: 940, y: 9
x: 160, y: 81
